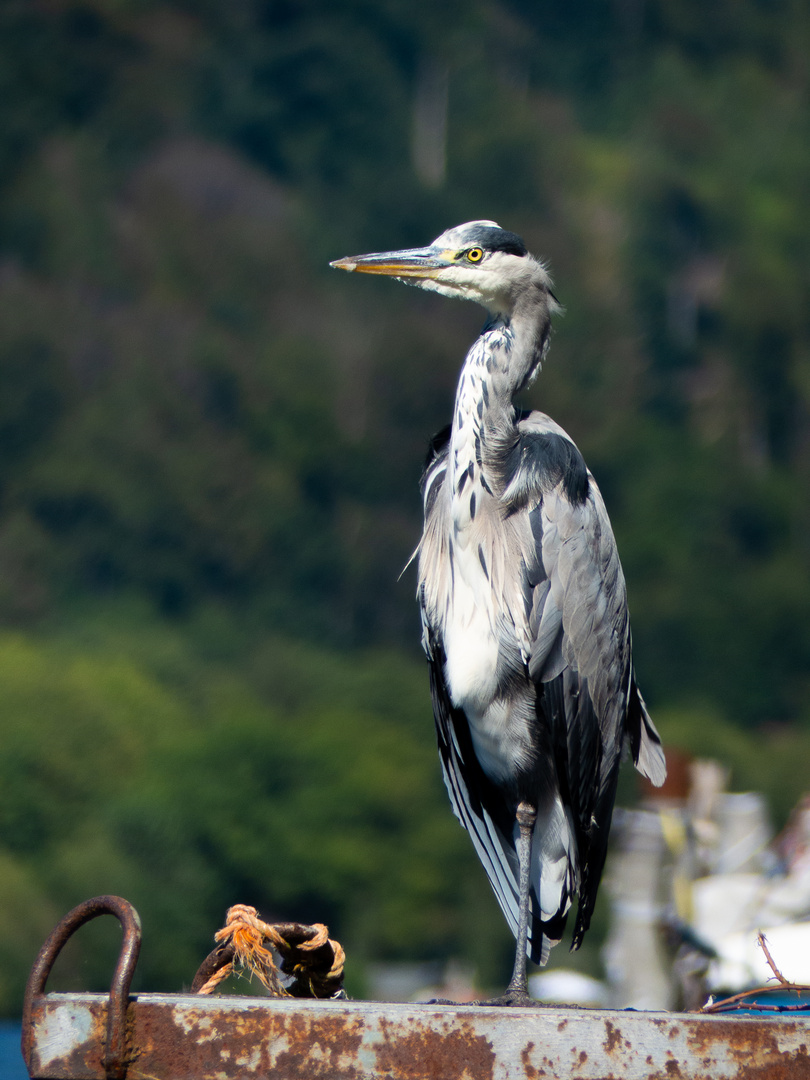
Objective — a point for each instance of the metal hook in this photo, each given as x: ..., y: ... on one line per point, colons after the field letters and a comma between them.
x: 115, y: 1062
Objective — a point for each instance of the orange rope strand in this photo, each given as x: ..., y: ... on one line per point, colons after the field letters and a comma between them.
x: 307, y: 953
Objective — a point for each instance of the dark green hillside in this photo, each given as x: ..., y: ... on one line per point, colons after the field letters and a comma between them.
x: 210, y: 442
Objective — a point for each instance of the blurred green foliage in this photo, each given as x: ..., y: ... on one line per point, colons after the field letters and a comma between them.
x: 209, y: 443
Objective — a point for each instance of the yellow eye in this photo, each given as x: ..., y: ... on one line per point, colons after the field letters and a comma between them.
x: 475, y: 255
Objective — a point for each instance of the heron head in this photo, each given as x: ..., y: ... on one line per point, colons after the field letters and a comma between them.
x: 478, y: 261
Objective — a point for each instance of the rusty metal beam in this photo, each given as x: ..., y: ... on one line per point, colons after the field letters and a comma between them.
x: 184, y: 1037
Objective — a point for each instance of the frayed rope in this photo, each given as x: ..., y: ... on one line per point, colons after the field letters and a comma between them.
x: 307, y: 953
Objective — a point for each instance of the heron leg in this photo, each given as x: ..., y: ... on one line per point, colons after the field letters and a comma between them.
x: 517, y: 992
x: 526, y: 816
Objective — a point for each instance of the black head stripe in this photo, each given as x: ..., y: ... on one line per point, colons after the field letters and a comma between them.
x: 492, y: 239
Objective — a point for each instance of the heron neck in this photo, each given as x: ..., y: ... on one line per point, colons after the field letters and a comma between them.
x: 483, y: 412
x: 501, y: 363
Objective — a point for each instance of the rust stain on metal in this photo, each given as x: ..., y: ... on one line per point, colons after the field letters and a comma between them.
x: 417, y: 1051
x: 286, y: 1045
x: 613, y: 1037
x: 531, y: 1071
x: 323, y: 1047
x: 755, y: 1049
x: 181, y: 1043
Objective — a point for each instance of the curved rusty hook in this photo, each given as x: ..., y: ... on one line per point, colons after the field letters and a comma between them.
x: 115, y: 1062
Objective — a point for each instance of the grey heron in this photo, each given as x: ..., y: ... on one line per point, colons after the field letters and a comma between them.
x: 524, y: 607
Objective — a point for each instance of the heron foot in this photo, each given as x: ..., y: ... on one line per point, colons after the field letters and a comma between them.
x: 513, y: 999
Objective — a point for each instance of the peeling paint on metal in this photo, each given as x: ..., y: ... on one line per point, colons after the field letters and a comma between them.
x: 192, y: 1038
x: 62, y: 1033
x: 453, y: 1052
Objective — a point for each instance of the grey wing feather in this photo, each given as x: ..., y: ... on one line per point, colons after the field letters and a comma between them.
x: 585, y: 598
x: 581, y: 650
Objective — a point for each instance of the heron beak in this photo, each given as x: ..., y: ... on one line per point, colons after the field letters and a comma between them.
x: 412, y: 263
